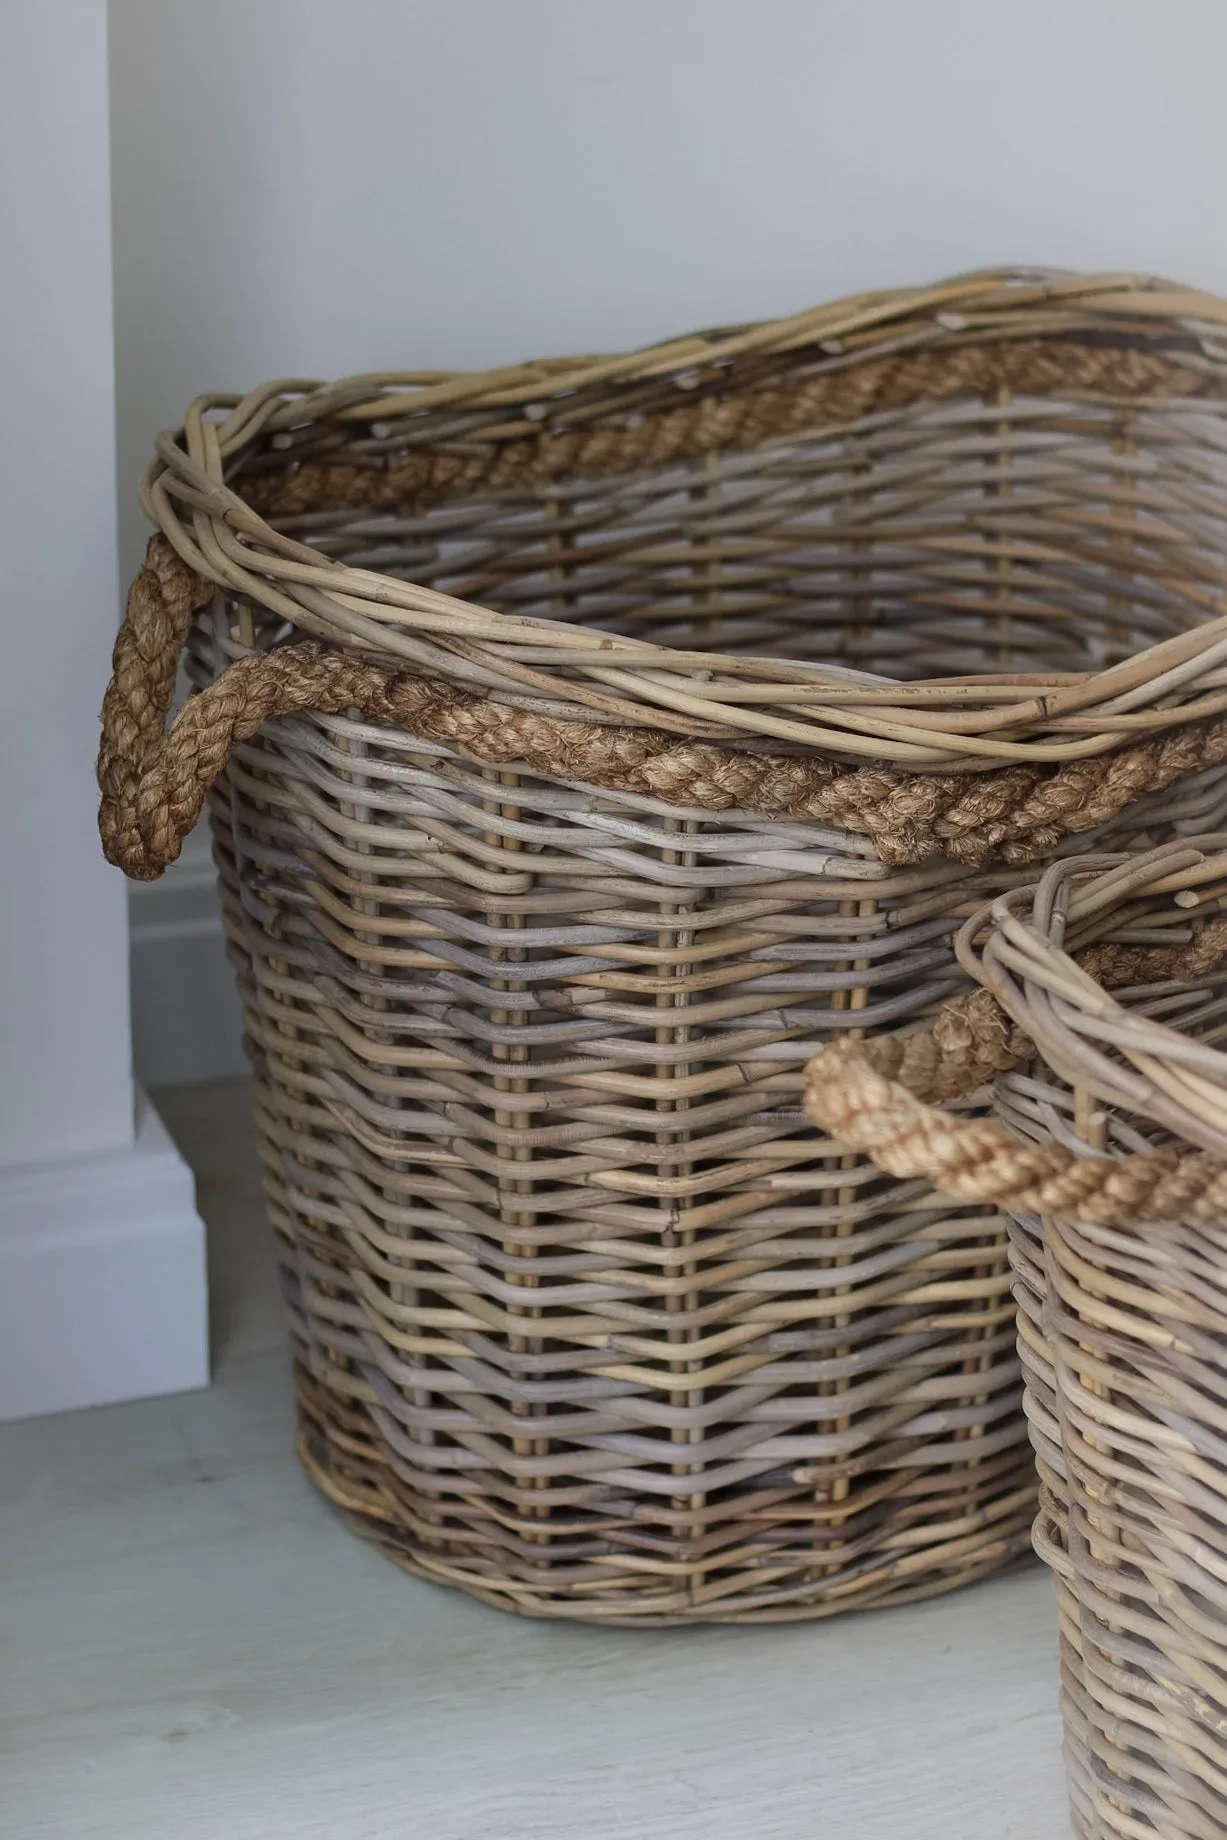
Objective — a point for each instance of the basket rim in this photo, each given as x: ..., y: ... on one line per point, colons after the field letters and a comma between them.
x: 935, y: 725
x: 1090, y: 1037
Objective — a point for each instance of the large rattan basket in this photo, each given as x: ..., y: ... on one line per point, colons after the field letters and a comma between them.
x: 1113, y: 1162
x: 604, y: 734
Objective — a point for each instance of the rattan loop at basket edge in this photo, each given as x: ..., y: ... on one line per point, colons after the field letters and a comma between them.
x: 153, y: 784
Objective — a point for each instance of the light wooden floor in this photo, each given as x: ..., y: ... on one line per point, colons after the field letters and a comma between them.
x: 193, y: 1648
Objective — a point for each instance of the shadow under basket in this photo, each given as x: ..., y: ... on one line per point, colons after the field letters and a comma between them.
x: 603, y: 736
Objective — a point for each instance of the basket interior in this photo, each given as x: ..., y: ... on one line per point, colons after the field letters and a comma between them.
x: 969, y: 535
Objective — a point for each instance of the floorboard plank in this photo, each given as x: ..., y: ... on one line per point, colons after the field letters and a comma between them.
x: 194, y: 1648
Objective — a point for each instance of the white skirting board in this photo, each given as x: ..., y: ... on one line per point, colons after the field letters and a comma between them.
x: 103, y: 1290
x: 186, y: 1017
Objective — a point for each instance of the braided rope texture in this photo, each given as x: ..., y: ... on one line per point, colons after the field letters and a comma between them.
x: 883, y: 1097
x: 977, y: 1161
x: 153, y: 785
x: 603, y: 738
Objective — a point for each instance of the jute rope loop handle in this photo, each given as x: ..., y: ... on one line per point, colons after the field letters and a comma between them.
x: 874, y: 1096
x: 153, y: 783
x: 977, y: 1161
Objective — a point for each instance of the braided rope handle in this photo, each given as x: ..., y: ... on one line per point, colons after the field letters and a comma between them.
x: 153, y: 782
x: 872, y: 1096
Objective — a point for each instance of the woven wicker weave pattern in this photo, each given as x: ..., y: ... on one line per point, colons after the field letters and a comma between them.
x: 578, y: 1197
x: 1129, y: 1353
x: 585, y: 1319
x: 1124, y: 1369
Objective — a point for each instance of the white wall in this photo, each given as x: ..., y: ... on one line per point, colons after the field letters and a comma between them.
x: 102, y: 1271
x: 319, y: 186
x: 65, y: 1083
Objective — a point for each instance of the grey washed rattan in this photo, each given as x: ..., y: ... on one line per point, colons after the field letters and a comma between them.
x: 604, y: 735
x: 1126, y: 1367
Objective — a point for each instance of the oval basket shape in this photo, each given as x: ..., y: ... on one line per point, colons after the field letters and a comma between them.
x: 597, y: 738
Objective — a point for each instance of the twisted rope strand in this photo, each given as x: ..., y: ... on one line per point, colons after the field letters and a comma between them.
x: 734, y: 421
x: 153, y: 783
x: 977, y: 1161
x: 875, y: 1096
x: 973, y: 1039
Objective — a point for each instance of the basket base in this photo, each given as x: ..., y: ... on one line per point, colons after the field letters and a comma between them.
x: 1005, y: 1543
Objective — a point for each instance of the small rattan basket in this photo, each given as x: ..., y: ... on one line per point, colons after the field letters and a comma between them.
x: 1113, y: 1163
x: 604, y: 735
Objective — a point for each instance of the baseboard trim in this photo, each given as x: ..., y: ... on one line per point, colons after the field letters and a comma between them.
x: 103, y: 1287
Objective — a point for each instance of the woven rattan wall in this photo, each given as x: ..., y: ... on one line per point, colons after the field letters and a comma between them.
x: 1123, y: 1360
x: 606, y: 734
